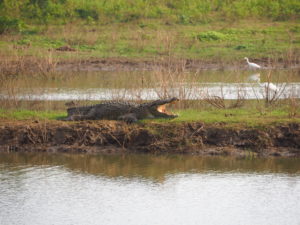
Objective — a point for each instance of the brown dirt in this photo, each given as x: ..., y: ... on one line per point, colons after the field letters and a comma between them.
x: 124, y: 64
x: 66, y: 48
x: 44, y: 65
x: 114, y: 136
x: 120, y: 64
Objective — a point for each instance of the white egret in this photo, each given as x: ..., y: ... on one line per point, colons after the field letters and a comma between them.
x: 252, y: 65
x: 269, y: 86
x: 254, y: 77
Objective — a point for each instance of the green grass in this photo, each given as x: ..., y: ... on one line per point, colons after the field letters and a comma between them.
x: 199, y: 29
x: 29, y: 114
x: 180, y: 12
x: 218, y: 41
x: 235, y: 116
x: 231, y: 117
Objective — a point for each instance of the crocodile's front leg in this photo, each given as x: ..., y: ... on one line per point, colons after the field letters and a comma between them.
x: 91, y: 115
x: 128, y: 118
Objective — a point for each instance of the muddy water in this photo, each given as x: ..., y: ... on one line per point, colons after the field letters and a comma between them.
x: 147, y: 189
x: 148, y: 85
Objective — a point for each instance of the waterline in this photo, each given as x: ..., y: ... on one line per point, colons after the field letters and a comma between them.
x: 190, y: 91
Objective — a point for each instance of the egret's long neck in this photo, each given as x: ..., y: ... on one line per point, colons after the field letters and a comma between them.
x: 247, y: 60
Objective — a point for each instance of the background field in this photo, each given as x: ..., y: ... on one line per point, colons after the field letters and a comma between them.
x: 215, y: 31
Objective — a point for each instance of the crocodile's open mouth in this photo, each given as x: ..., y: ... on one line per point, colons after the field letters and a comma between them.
x: 164, y: 109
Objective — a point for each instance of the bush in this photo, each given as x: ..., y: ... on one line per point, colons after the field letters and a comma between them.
x: 182, y: 12
x: 211, y: 36
x: 8, y: 25
x: 45, y: 11
x: 87, y: 13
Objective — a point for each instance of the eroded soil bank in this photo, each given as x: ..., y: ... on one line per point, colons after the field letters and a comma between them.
x: 114, y: 136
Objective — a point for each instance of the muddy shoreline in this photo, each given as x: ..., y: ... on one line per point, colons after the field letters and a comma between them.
x: 40, y: 65
x: 125, y: 64
x: 114, y: 137
x: 120, y: 64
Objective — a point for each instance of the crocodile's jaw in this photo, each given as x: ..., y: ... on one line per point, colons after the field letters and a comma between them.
x: 163, y: 109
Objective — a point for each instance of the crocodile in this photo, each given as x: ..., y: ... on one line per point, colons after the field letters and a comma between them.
x: 127, y: 111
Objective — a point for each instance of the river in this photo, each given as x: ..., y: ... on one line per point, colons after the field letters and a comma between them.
x: 134, y: 189
x: 150, y: 85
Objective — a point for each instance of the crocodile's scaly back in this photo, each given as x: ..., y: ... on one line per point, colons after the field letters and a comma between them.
x: 111, y: 105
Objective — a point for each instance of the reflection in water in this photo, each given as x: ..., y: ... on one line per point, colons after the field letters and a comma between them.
x: 149, y: 85
x: 191, y: 92
x: 146, y: 189
x: 152, y: 167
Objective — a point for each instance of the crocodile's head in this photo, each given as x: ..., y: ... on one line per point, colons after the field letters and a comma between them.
x: 159, y: 108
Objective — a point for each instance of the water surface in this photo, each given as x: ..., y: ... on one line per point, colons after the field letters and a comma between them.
x: 149, y: 85
x: 146, y: 189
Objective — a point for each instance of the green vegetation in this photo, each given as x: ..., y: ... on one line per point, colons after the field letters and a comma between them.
x: 228, y: 116
x: 217, y: 42
x: 199, y: 29
x: 180, y: 12
x: 233, y: 116
x: 8, y: 25
x: 30, y: 114
x: 212, y: 36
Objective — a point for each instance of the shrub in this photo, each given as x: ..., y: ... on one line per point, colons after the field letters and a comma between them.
x: 44, y: 11
x: 240, y: 47
x: 211, y: 36
x: 87, y: 13
x: 8, y: 25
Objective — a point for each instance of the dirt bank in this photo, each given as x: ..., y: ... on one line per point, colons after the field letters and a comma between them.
x: 120, y: 64
x: 113, y: 136
x: 35, y: 65
x: 125, y: 64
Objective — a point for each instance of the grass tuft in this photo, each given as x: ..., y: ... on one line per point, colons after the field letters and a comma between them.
x: 29, y: 114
